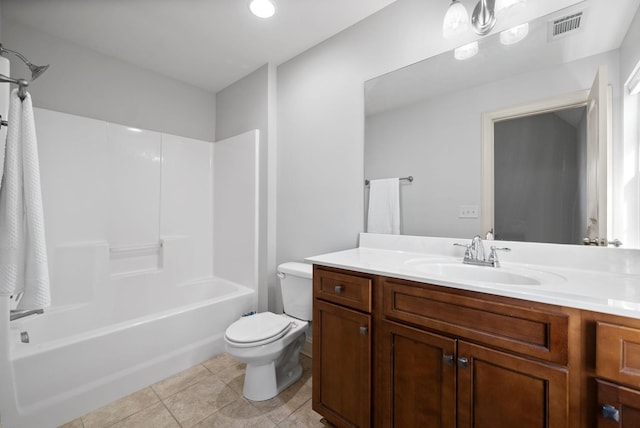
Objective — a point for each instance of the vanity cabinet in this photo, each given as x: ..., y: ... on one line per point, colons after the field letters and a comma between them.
x: 390, y: 352
x: 618, y: 371
x: 342, y: 352
x: 417, y: 378
x: 439, y: 368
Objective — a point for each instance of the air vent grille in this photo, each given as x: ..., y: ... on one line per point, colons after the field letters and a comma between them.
x: 566, y: 24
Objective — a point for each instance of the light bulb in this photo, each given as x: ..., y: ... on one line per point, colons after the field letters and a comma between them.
x: 262, y: 8
x: 515, y: 34
x: 505, y: 4
x: 466, y: 51
x: 456, y: 20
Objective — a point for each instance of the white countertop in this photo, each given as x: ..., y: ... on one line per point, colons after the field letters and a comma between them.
x: 596, y: 279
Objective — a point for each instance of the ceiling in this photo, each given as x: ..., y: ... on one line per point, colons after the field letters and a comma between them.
x: 212, y: 43
x: 219, y: 40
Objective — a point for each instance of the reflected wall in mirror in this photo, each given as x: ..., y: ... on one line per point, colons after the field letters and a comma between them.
x: 425, y: 120
x: 539, y: 170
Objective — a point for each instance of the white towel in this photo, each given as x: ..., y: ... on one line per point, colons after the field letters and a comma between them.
x: 23, y: 251
x: 384, y: 206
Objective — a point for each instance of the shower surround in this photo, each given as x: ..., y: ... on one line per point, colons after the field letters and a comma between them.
x: 143, y: 280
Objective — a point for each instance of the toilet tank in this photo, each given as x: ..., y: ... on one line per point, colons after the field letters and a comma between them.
x: 296, y: 285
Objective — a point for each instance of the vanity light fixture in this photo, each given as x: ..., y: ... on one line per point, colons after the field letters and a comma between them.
x: 456, y: 20
x: 515, y: 34
x: 483, y: 18
x: 466, y: 51
x: 262, y: 8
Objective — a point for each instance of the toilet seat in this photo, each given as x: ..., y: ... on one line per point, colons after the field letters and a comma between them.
x: 258, y: 329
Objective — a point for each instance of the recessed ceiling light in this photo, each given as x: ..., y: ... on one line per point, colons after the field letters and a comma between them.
x: 262, y: 8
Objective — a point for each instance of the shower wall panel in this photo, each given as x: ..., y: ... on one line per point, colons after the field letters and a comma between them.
x: 113, y: 195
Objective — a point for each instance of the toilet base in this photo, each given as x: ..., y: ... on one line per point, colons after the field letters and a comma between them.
x: 262, y: 382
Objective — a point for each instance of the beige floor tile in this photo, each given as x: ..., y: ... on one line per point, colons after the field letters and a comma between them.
x: 180, y: 381
x: 76, y: 423
x: 220, y: 362
x: 233, y: 376
x: 306, y: 362
x: 120, y: 409
x: 303, y: 417
x: 238, y: 414
x: 156, y: 416
x: 197, y: 402
x: 284, y: 404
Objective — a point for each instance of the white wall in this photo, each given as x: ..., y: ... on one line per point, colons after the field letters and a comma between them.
x: 321, y: 122
x: 83, y: 82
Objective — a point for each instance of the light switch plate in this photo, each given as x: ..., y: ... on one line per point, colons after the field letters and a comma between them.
x: 468, y: 211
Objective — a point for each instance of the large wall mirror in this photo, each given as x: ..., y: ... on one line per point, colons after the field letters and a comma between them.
x: 433, y: 121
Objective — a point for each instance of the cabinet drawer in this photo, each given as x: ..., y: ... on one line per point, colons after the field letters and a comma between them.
x: 533, y: 332
x: 345, y: 289
x: 618, y: 353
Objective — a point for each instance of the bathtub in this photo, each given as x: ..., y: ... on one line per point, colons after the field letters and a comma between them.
x: 83, y: 356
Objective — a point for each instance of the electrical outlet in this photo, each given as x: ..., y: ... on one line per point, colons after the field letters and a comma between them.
x: 468, y: 211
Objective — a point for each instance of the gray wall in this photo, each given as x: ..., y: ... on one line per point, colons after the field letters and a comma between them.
x: 536, y: 180
x: 86, y: 83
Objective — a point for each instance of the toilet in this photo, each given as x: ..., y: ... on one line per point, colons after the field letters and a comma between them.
x: 270, y: 343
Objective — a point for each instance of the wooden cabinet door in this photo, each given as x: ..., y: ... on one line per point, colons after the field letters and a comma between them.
x: 418, y: 386
x: 342, y: 365
x: 499, y: 390
x: 618, y: 406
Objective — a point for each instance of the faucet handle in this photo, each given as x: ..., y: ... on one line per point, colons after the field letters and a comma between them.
x: 493, y: 256
x: 467, y: 253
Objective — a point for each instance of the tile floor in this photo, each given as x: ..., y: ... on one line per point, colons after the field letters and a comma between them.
x: 207, y: 395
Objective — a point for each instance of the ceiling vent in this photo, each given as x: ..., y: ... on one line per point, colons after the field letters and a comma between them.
x: 564, y: 26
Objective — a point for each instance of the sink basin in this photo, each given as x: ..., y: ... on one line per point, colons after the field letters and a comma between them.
x: 499, y: 276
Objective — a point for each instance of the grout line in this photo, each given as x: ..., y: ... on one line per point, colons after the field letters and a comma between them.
x: 171, y: 413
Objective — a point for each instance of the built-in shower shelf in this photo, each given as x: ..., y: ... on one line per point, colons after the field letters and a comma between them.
x: 135, y: 259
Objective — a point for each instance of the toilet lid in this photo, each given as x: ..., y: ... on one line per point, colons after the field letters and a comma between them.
x: 258, y: 327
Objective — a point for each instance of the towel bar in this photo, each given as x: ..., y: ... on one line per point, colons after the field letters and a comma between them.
x: 409, y: 179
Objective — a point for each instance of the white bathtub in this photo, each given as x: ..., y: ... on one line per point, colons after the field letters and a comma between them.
x: 84, y: 356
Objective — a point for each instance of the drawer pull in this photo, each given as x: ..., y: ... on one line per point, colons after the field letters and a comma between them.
x: 610, y: 412
x: 338, y: 289
x: 447, y: 359
x: 463, y: 362
x: 364, y: 330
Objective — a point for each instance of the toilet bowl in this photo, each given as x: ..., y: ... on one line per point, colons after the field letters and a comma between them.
x: 270, y: 343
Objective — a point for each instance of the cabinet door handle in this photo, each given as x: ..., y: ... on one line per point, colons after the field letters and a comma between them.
x: 364, y: 330
x: 463, y: 362
x: 610, y: 412
x: 338, y: 289
x: 447, y: 359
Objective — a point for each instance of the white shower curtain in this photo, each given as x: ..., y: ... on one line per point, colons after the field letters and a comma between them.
x: 23, y: 255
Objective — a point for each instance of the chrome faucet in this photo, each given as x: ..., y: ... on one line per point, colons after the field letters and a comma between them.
x: 474, y: 255
x: 476, y: 251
